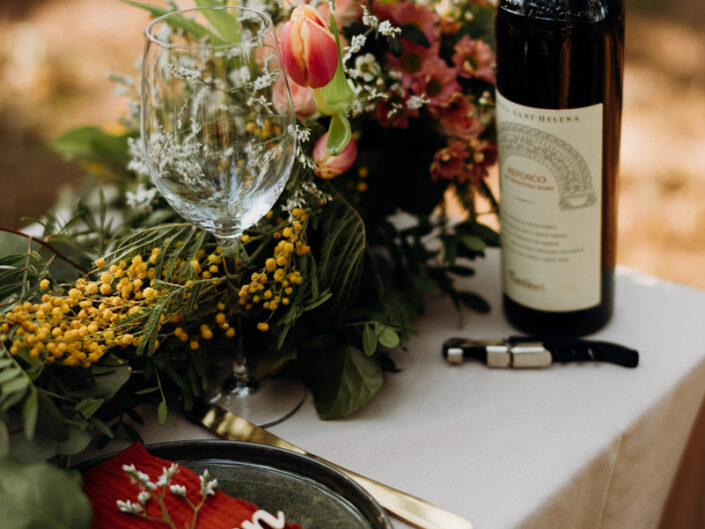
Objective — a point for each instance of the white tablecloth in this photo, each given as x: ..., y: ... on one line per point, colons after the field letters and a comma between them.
x: 573, y: 446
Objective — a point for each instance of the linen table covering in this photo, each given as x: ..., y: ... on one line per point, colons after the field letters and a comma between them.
x: 573, y: 446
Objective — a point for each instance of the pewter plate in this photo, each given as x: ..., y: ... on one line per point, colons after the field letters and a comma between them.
x: 310, y: 493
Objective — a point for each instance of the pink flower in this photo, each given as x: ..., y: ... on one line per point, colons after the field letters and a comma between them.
x: 309, y: 51
x: 449, y: 162
x: 458, y: 117
x: 474, y: 58
x: 410, y: 14
x: 328, y: 166
x: 436, y: 80
x: 301, y: 97
x: 410, y: 62
x: 346, y: 11
x: 484, y: 155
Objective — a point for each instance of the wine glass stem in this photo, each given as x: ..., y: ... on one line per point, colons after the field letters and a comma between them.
x: 240, y: 382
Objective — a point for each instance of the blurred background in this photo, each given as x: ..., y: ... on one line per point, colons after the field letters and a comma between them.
x: 55, y: 56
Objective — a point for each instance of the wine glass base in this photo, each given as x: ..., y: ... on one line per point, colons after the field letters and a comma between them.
x: 266, y: 403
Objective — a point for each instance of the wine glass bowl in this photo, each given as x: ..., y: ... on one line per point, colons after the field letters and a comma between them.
x: 218, y: 144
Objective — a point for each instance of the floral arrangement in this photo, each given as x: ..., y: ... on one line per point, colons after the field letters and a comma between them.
x: 119, y: 301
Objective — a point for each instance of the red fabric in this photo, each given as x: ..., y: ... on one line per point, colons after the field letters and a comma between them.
x: 107, y: 482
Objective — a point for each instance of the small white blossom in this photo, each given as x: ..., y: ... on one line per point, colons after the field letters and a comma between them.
x: 129, y: 507
x: 240, y: 76
x: 367, y: 67
x: 386, y: 29
x: 356, y: 108
x: 207, y: 485
x: 182, y: 72
x: 263, y: 81
x: 143, y: 497
x: 141, y: 198
x: 356, y: 44
x: 368, y: 19
x: 178, y: 490
x: 415, y: 102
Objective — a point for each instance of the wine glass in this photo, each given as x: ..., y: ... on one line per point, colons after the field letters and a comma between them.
x: 220, y: 142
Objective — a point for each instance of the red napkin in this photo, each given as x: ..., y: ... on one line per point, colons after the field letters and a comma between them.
x: 107, y: 482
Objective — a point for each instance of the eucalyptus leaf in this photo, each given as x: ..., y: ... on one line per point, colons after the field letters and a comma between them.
x: 473, y: 242
x: 41, y: 496
x: 474, y: 302
x: 388, y: 337
x: 76, y: 441
x: 106, y: 386
x: 369, y: 340
x: 343, y: 379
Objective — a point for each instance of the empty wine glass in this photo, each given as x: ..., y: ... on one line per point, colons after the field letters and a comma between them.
x: 219, y: 142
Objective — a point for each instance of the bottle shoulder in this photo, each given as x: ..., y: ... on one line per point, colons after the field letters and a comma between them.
x: 583, y: 10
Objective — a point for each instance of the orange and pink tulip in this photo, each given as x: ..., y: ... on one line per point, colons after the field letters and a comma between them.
x: 328, y: 166
x: 309, y: 49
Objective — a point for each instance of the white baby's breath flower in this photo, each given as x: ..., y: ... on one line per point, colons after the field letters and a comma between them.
x: 181, y: 72
x: 368, y: 19
x: 143, y: 497
x: 141, y: 197
x: 178, y: 490
x: 357, y: 42
x: 129, y: 507
x: 356, y: 108
x: 385, y: 28
x: 240, y: 76
x: 207, y: 485
x: 415, y: 102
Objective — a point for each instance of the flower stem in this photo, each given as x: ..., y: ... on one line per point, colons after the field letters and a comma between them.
x: 47, y: 246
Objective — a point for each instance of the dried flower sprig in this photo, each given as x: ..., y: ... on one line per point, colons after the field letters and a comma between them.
x: 157, y: 490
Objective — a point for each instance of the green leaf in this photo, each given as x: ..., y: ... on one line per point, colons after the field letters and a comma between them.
x: 414, y: 34
x: 423, y: 283
x: 88, y: 406
x: 369, y: 340
x: 106, y: 386
x: 30, y: 410
x: 339, y: 134
x: 4, y: 440
x: 388, y: 337
x: 473, y: 242
x: 162, y: 412
x: 343, y: 379
x: 224, y: 23
x: 474, y: 302
x: 342, y: 253
x: 76, y: 441
x: 93, y: 144
x: 188, y: 25
x: 41, y: 496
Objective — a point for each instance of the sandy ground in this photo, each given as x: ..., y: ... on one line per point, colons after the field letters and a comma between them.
x: 55, y: 54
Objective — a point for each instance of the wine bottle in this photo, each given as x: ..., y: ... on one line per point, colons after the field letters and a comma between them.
x: 559, y: 102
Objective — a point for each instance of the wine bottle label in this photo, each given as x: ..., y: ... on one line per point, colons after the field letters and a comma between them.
x: 550, y: 166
